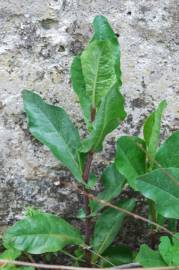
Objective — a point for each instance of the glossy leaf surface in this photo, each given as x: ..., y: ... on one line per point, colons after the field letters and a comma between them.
x: 152, y: 129
x: 79, y: 87
x: 162, y: 187
x: 117, y: 255
x: 149, y: 258
x: 98, y: 67
x: 40, y: 233
x: 10, y: 254
x: 130, y: 158
x: 109, y: 115
x: 169, y: 250
x: 52, y: 127
x: 108, y: 225
x: 103, y: 31
x: 168, y: 153
x: 113, y: 183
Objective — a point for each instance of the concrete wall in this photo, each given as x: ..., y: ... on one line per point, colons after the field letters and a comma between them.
x: 38, y: 41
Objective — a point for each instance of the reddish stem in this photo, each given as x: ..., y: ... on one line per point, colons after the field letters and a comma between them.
x: 88, y: 227
x: 88, y: 222
x: 93, y: 113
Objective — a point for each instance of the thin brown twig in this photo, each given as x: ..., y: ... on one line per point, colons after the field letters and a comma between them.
x: 159, y: 165
x: 88, y: 222
x: 123, y: 210
x: 60, y: 267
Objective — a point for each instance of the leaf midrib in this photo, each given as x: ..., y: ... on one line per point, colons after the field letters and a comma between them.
x: 41, y: 109
x: 47, y: 235
x: 159, y: 188
x: 95, y: 82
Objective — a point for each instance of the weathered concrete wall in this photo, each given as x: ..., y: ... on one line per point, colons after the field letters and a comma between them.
x: 38, y: 41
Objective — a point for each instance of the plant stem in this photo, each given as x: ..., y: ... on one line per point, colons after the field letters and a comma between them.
x: 153, y: 213
x: 88, y: 221
x: 88, y: 229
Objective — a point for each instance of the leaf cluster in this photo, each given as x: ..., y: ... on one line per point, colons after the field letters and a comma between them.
x: 142, y: 163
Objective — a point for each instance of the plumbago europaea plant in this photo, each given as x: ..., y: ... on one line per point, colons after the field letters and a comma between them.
x: 96, y: 79
x: 139, y: 162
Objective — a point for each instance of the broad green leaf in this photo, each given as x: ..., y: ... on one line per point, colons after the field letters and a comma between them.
x: 152, y: 130
x: 10, y: 254
x: 166, y: 249
x: 149, y: 258
x: 79, y: 87
x: 108, y: 225
x: 169, y: 250
x: 175, y: 241
x: 103, y: 31
x: 41, y: 233
x: 8, y: 267
x: 113, y: 183
x: 116, y: 255
x: 13, y: 267
x: 91, y: 181
x: 109, y: 115
x: 52, y: 127
x: 98, y: 68
x: 162, y: 187
x: 130, y: 158
x: 26, y: 268
x: 168, y: 153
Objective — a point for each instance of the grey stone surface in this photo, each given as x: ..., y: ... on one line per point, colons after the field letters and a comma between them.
x: 38, y: 41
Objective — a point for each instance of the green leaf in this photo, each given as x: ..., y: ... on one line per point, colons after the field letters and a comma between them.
x: 10, y: 254
x: 41, y: 233
x: 98, y: 68
x: 165, y: 249
x: 169, y: 250
x: 152, y: 130
x: 91, y: 181
x: 162, y: 187
x: 168, y: 153
x: 81, y: 214
x: 8, y: 267
x: 149, y: 258
x: 103, y: 31
x: 52, y: 127
x: 130, y: 158
x: 113, y: 183
x: 175, y: 255
x: 13, y: 267
x: 79, y: 87
x: 108, y: 225
x: 26, y: 268
x: 116, y: 255
x: 109, y: 115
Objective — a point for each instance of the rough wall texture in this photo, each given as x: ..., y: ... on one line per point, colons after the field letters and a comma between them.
x: 38, y: 41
